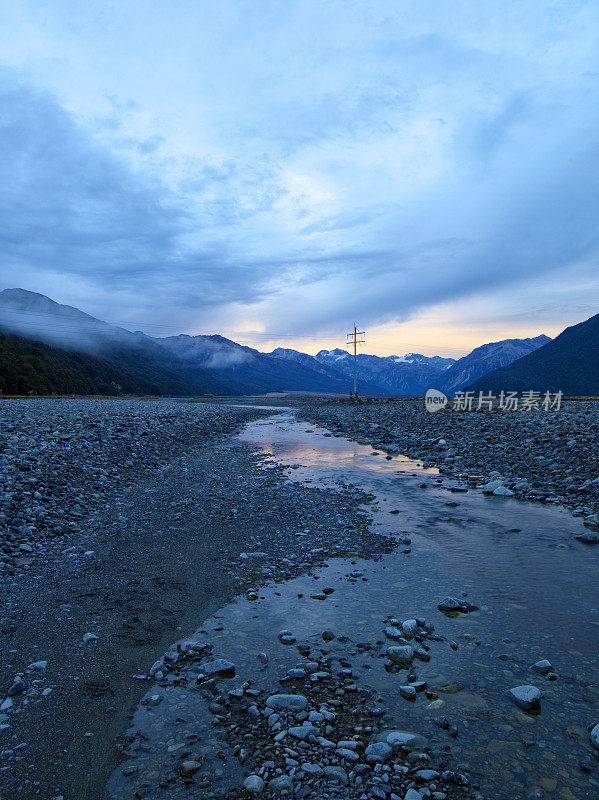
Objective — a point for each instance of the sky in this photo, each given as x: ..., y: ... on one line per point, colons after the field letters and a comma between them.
x: 276, y: 171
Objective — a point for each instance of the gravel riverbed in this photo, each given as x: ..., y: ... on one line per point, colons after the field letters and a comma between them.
x: 125, y: 524
x: 548, y: 456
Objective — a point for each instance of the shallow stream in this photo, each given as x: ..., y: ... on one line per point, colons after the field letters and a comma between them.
x: 538, y: 596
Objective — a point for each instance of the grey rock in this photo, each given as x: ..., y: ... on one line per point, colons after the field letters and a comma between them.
x: 409, y: 628
x: 337, y: 774
x: 426, y: 774
x: 280, y: 784
x: 18, y: 687
x: 401, y: 656
x: 312, y: 769
x: 403, y: 738
x: 378, y: 751
x: 288, y: 702
x: 452, y: 604
x: 409, y: 692
x: 189, y: 768
x: 303, y: 732
x: 218, y: 667
x: 253, y: 784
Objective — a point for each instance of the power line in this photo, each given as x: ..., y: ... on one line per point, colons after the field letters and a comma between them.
x: 352, y: 338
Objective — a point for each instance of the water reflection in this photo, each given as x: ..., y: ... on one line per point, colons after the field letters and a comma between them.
x: 538, y: 594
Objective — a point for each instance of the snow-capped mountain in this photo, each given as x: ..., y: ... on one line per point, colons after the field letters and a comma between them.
x: 411, y: 374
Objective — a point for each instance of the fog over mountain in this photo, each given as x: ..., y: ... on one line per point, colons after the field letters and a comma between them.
x: 214, y: 364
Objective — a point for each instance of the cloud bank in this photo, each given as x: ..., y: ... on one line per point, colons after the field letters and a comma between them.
x: 296, y: 166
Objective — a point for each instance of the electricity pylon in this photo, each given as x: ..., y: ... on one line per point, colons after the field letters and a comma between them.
x: 352, y: 338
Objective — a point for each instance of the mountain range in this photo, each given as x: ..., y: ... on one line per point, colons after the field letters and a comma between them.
x: 569, y: 363
x: 46, y: 347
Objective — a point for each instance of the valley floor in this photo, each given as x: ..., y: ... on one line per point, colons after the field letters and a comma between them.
x: 127, y: 526
x: 136, y: 560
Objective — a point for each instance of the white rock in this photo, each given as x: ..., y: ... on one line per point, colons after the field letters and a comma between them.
x: 503, y: 491
x: 527, y: 697
x: 594, y: 736
x: 89, y: 637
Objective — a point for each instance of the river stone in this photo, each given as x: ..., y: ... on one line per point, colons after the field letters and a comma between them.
x: 378, y: 751
x: 337, y: 774
x: 401, y: 656
x: 542, y: 667
x: 588, y: 538
x: 218, y: 667
x: 427, y: 774
x: 253, y: 784
x: 409, y: 692
x: 347, y: 754
x: 527, y: 697
x: 303, y: 731
x: 189, y: 768
x: 409, y: 628
x: 403, y: 738
x: 393, y: 633
x: 18, y: 687
x: 594, y: 735
x: 313, y: 769
x: 279, y: 784
x: 412, y: 794
x: 490, y: 487
x: 288, y: 702
x: 451, y: 604
x: 503, y: 491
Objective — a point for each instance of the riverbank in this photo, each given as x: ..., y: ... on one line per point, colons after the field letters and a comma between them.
x: 545, y: 456
x: 148, y: 555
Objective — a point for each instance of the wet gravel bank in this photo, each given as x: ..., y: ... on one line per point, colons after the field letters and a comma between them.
x: 545, y: 456
x: 148, y: 554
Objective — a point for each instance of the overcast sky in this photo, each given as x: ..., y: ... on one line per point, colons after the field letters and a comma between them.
x: 276, y: 170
